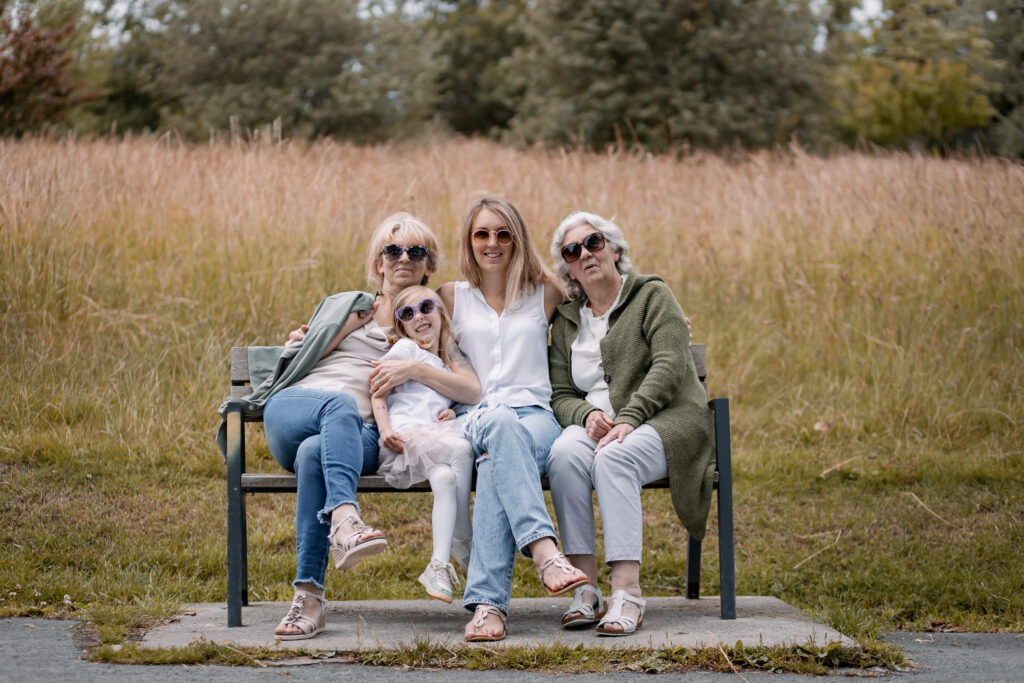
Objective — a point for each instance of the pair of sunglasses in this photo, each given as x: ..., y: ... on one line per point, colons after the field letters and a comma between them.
x: 405, y: 314
x: 593, y: 242
x: 483, y: 236
x: 393, y: 252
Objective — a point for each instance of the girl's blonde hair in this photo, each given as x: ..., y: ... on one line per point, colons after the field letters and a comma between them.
x: 525, y: 271
x: 446, y: 337
x: 401, y: 226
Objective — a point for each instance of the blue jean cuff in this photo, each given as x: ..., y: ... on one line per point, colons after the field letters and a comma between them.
x: 312, y: 581
x: 524, y: 547
x: 470, y: 604
x: 324, y: 516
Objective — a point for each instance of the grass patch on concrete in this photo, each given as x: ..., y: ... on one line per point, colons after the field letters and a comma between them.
x: 804, y: 659
x: 862, y: 313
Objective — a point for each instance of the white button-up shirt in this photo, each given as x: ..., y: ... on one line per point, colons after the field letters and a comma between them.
x: 509, y: 352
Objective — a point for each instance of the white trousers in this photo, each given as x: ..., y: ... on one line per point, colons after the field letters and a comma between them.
x: 617, y: 473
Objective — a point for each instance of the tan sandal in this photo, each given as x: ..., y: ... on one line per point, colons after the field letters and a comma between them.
x: 308, y: 627
x: 583, y: 613
x: 558, y: 562
x: 480, y: 618
x: 356, y: 546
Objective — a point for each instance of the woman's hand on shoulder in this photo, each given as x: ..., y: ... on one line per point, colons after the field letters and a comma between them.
x: 616, y: 433
x: 392, y: 441
x: 597, y: 424
x: 297, y: 335
x: 447, y: 294
x: 553, y: 295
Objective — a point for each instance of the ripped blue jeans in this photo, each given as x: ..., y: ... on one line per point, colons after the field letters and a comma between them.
x: 320, y: 436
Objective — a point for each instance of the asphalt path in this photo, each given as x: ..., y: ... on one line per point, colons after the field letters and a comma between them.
x: 36, y: 650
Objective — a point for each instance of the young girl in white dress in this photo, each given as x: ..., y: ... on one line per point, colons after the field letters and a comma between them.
x: 420, y: 440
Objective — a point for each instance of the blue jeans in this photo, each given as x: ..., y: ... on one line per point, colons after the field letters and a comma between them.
x: 320, y: 436
x: 509, y: 512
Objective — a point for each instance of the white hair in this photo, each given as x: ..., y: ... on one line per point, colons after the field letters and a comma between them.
x: 612, y: 234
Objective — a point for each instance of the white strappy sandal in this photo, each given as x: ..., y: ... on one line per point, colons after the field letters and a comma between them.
x: 583, y: 613
x: 308, y: 627
x: 614, y: 615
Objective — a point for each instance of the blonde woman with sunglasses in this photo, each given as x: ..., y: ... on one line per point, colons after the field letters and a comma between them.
x: 501, y: 313
x: 626, y: 390
x: 321, y: 426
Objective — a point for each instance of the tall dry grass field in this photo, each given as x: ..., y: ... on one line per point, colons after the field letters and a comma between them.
x: 863, y: 313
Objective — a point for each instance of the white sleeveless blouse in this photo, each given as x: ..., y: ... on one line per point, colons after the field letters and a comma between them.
x: 509, y: 352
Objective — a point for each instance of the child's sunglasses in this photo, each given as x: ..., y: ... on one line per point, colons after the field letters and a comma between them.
x: 593, y: 242
x: 393, y: 252
x: 405, y: 314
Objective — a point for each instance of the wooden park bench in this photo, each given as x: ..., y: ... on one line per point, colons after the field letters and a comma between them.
x: 240, y: 482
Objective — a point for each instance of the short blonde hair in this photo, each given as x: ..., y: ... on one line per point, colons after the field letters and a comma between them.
x: 526, y: 270
x: 612, y: 234
x: 446, y: 338
x: 401, y: 226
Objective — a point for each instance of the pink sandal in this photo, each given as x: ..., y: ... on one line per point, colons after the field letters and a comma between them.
x: 308, y: 627
x: 356, y: 546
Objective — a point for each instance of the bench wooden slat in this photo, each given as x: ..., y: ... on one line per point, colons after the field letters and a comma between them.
x: 239, y: 365
x: 372, y: 483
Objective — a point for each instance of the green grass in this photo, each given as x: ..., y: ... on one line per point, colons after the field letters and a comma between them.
x: 862, y: 313
x: 807, y: 659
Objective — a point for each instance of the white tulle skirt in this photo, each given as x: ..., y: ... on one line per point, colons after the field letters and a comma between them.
x: 427, y: 444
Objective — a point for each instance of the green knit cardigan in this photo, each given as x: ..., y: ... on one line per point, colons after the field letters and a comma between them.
x: 651, y: 379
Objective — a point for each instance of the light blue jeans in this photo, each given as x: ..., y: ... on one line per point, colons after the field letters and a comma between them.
x: 509, y: 512
x: 320, y: 436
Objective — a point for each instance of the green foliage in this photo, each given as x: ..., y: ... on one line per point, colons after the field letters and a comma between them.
x: 1004, y: 27
x: 907, y: 102
x: 473, y: 37
x: 665, y: 73
x: 35, y: 85
x: 918, y: 78
x: 311, y: 68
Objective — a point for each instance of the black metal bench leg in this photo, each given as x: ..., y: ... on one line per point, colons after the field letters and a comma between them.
x: 726, y: 548
x: 236, y: 516
x: 693, y: 569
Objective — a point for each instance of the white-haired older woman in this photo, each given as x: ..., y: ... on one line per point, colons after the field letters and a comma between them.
x: 626, y: 390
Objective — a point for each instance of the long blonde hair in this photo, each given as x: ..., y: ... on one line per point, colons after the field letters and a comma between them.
x: 526, y: 269
x: 446, y: 336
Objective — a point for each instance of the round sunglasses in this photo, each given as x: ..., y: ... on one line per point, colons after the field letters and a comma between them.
x: 482, y: 236
x: 593, y: 243
x: 405, y: 314
x: 393, y: 252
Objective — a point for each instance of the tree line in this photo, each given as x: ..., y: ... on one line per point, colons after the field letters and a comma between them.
x: 655, y: 75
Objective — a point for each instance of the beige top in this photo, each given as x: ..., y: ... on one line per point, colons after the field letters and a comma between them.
x: 348, y: 367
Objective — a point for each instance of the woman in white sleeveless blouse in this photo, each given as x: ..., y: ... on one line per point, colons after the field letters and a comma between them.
x: 501, y: 315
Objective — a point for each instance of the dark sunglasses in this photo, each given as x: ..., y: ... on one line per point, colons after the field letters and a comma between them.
x: 393, y: 252
x: 405, y: 314
x: 483, y: 236
x: 593, y: 242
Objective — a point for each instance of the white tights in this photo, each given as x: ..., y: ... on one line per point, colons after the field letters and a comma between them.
x: 450, y: 483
